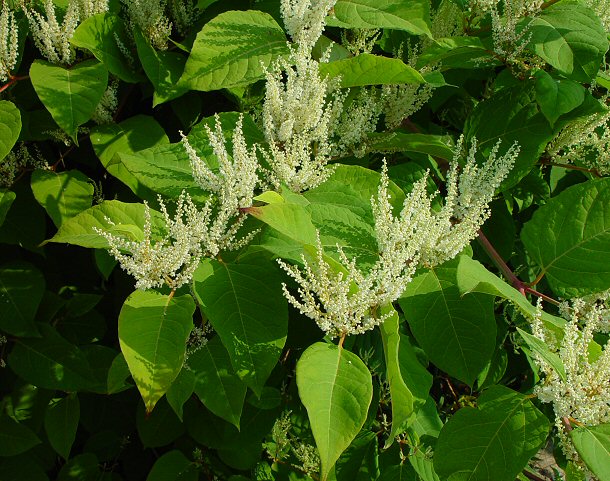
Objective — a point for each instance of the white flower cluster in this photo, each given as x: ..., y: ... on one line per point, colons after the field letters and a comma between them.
x: 602, y: 9
x: 9, y: 42
x: 509, y: 39
x: 305, y: 20
x: 359, y: 40
x: 299, y: 114
x: 17, y: 161
x: 584, y: 396
x: 52, y: 37
x: 586, y: 141
x: 343, y: 300
x: 108, y: 104
x: 149, y: 17
x: 194, y: 231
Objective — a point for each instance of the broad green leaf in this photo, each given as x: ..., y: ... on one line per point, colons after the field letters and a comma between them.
x: 15, y: 438
x: 542, y: 349
x: 570, y: 37
x: 51, y: 362
x: 63, y: 195
x: 510, y: 115
x: 569, y: 238
x: 494, y: 441
x: 153, y: 330
x: 173, y: 466
x: 128, y: 220
x: 164, y: 169
x: 471, y: 277
x: 435, y: 309
x: 69, y: 94
x: 557, y: 96
x: 335, y: 387
x: 593, y: 446
x: 457, y: 52
x: 216, y: 384
x: 118, y: 375
x: 99, y: 34
x: 409, y: 380
x: 368, y: 69
x: 233, y: 49
x: 163, y: 69
x: 244, y: 302
x: 132, y: 135
x: 359, y: 461
x: 21, y: 290
x: 60, y: 423
x: 435, y: 145
x: 10, y: 127
x: 412, y: 16
x: 181, y: 391
x: 7, y: 197
x: 83, y: 467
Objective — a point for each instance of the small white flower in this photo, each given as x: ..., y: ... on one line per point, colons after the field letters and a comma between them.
x: 9, y: 42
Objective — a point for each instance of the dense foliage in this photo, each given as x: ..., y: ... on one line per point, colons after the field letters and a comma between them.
x: 278, y: 240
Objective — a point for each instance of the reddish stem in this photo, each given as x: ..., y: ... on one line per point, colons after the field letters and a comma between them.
x: 12, y: 81
x: 517, y: 283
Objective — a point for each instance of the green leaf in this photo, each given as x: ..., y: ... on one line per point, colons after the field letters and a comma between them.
x: 51, y: 362
x: 164, y: 169
x: 457, y: 52
x: 63, y: 195
x: 7, y: 197
x: 69, y: 94
x: 335, y: 387
x: 132, y: 135
x: 494, y: 441
x: 542, y: 349
x: 570, y: 37
x: 368, y: 69
x: 98, y: 34
x: 233, y: 49
x: 153, y: 330
x: 163, y: 69
x: 359, y: 461
x: 568, y: 238
x: 128, y: 220
x: 244, y: 302
x: 83, y: 467
x: 61, y: 422
x: 173, y: 466
x: 21, y: 290
x: 435, y: 145
x: 216, y: 384
x: 471, y: 277
x: 412, y: 16
x: 593, y: 446
x: 19, y: 468
x: 557, y: 96
x: 511, y: 115
x: 435, y: 309
x: 409, y: 380
x: 15, y: 438
x: 10, y: 127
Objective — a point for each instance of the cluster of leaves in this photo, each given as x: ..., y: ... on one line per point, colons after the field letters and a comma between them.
x: 221, y: 379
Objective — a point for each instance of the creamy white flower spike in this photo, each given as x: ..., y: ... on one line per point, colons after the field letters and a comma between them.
x: 583, y: 397
x: 348, y: 300
x: 194, y: 232
x: 149, y: 17
x: 9, y: 42
x: 52, y: 37
x: 305, y: 20
x: 300, y: 112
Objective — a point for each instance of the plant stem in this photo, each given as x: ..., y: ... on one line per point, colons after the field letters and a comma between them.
x: 517, y: 283
x: 548, y: 4
x: 12, y: 81
x: 572, y: 167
